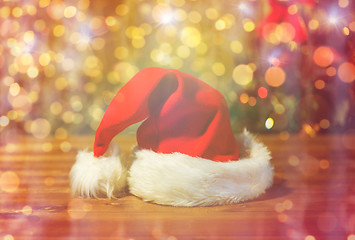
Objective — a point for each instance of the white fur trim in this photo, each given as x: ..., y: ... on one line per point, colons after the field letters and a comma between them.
x: 180, y: 180
x: 98, y: 177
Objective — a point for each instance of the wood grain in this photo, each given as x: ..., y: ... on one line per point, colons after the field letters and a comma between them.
x: 313, y: 197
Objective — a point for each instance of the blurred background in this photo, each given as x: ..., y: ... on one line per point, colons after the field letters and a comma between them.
x: 283, y: 66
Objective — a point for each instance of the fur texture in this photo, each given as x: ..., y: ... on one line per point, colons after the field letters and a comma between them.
x: 181, y: 180
x: 98, y: 177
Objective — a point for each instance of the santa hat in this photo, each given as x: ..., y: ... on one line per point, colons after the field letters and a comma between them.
x: 187, y: 154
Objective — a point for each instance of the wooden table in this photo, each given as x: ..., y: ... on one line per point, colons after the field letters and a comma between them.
x: 313, y: 197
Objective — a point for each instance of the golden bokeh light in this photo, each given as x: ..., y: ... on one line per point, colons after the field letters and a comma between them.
x: 40, y: 128
x: 183, y: 51
x: 352, y: 26
x: 285, y: 32
x: 220, y: 24
x: 122, y: 10
x: 242, y: 74
x: 313, y: 24
x: 292, y: 9
x: 194, y: 17
x: 5, y: 12
x: 331, y: 71
x: 248, y: 25
x: 27, y: 210
x: 346, y: 31
x: 244, y: 98
x: 310, y: 237
x: 211, y: 13
x: 30, y: 9
x: 17, y: 12
x: 236, y: 46
x: 70, y: 11
x: 324, y: 164
x: 346, y: 72
x: 252, y: 101
x: 121, y: 52
x: 61, y: 133
x: 343, y: 3
x: 76, y: 208
x: 8, y: 237
x: 269, y: 123
x: 44, y: 59
x: 28, y: 36
x: 65, y: 146
x: 110, y: 21
x: 14, y: 89
x: 32, y: 72
x: 47, y: 147
x: 275, y: 76
x: 319, y: 84
x: 324, y: 123
x: 190, y: 36
x: 323, y: 56
x: 218, y: 68
x: 9, y: 181
x: 56, y: 108
x: 98, y: 43
x: 138, y: 42
x: 59, y: 30
x: 4, y: 121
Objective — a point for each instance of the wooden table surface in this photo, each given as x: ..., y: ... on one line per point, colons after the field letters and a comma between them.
x: 313, y: 197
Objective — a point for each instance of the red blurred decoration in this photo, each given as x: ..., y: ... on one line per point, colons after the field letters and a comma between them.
x: 262, y: 92
x: 280, y: 13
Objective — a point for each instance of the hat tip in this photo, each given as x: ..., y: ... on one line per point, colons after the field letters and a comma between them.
x: 99, y: 151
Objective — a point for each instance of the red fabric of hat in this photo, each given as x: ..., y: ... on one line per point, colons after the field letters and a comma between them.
x: 181, y: 114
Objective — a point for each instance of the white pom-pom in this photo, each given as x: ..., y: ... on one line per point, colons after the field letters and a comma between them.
x: 98, y: 177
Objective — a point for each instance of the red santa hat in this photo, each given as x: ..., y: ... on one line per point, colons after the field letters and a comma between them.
x: 187, y: 154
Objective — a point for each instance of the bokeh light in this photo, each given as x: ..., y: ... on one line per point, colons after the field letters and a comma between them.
x: 324, y: 164
x: 275, y: 76
x: 190, y: 36
x: 269, y: 123
x: 313, y: 24
x: 244, y: 98
x: 262, y: 92
x: 293, y: 160
x: 4, y: 121
x: 319, y: 84
x: 9, y: 181
x: 61, y: 63
x: 8, y: 237
x: 346, y: 72
x: 343, y: 3
x: 331, y: 71
x: 310, y: 237
x: 78, y: 208
x: 27, y: 210
x: 242, y: 74
x: 40, y: 128
x: 324, y: 123
x: 323, y: 56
